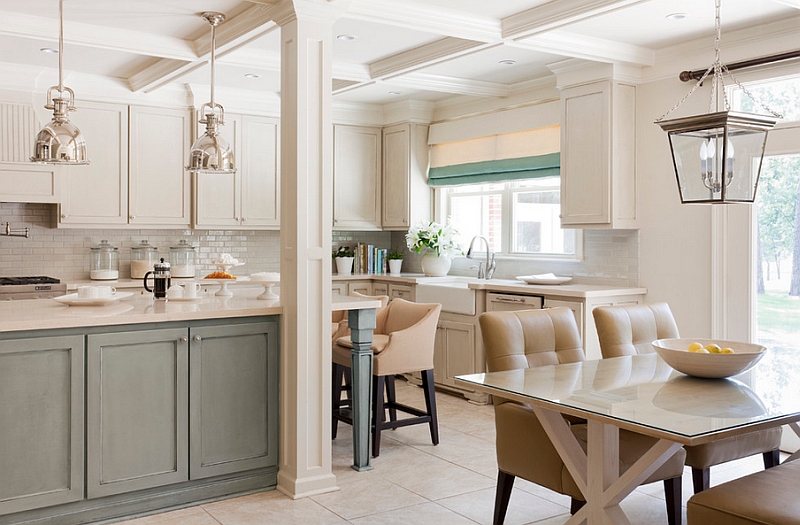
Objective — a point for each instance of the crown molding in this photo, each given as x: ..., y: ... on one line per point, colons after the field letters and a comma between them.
x: 574, y: 45
x: 441, y: 50
x: 553, y: 15
x: 442, y: 84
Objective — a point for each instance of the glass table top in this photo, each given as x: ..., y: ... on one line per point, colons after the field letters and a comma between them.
x: 645, y: 392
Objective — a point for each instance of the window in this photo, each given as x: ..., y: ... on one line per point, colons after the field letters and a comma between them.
x: 516, y: 217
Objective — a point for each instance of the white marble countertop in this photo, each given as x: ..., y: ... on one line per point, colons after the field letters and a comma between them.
x: 505, y: 285
x: 43, y: 314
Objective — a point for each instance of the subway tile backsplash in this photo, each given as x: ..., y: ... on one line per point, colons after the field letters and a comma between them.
x: 611, y: 257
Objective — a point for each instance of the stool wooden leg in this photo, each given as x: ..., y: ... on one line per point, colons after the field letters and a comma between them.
x: 430, y: 404
x: 378, y: 413
x: 672, y: 493
x: 391, y: 398
x: 701, y: 479
x: 336, y: 396
x: 772, y: 458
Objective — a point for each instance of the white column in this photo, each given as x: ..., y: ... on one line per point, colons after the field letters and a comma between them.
x: 306, y: 185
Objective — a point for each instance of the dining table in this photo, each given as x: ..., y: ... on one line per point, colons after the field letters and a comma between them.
x: 642, y: 394
x: 361, y: 313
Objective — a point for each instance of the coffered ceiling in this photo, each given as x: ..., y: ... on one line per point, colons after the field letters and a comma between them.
x: 387, y: 50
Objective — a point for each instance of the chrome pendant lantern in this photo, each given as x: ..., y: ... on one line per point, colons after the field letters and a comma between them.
x: 717, y: 156
x: 210, y: 152
x: 60, y: 141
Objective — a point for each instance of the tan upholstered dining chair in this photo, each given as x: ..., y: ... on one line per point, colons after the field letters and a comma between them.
x: 531, y: 338
x: 630, y: 330
x: 402, y: 343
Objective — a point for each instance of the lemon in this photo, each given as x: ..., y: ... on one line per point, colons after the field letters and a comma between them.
x: 701, y: 351
x: 726, y: 350
x: 713, y: 348
x: 694, y: 347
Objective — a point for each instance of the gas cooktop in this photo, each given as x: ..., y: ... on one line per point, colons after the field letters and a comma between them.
x: 35, y: 287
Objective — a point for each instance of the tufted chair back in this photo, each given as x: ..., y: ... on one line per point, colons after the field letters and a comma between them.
x: 630, y: 330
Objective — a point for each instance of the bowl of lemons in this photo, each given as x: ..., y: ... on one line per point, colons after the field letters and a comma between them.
x: 710, y: 358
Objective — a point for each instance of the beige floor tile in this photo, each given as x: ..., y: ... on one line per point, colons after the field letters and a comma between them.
x: 188, y: 516
x: 440, y: 479
x: 425, y: 514
x: 366, y: 496
x: 271, y: 507
x: 522, y: 508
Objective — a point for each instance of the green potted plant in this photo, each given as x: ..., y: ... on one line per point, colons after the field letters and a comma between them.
x: 395, y: 258
x: 344, y: 256
x: 436, y: 243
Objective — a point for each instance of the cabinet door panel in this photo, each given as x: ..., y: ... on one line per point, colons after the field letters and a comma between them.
x: 356, y: 178
x: 259, y: 165
x: 41, y: 422
x: 233, y: 398
x: 137, y: 410
x: 159, y: 152
x: 459, y: 341
x: 396, y: 157
x: 98, y: 193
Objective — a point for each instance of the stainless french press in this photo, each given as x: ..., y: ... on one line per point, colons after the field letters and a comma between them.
x: 161, y: 279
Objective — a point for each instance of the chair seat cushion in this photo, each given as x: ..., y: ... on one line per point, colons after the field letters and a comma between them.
x: 342, y: 348
x: 768, y: 497
x: 736, y: 447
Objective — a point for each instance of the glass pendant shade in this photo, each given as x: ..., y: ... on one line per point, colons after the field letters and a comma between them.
x: 717, y: 156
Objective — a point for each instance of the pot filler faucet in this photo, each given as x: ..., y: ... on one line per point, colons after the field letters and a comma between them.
x: 484, y: 271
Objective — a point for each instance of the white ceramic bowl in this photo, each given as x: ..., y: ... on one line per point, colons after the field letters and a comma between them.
x: 677, y: 355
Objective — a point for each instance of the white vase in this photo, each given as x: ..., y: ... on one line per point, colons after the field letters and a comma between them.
x: 395, y: 265
x: 344, y: 265
x: 435, y: 265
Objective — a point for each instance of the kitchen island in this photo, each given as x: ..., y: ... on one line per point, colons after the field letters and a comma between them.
x: 117, y: 410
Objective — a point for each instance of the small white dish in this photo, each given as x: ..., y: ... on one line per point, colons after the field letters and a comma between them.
x: 73, y: 299
x: 543, y: 279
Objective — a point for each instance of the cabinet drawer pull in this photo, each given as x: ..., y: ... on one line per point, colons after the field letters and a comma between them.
x: 183, y: 339
x: 197, y: 339
x: 509, y: 299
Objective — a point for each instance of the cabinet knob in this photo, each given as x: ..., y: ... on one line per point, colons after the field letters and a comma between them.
x: 64, y: 216
x: 197, y: 339
x: 131, y: 217
x: 183, y: 339
x: 405, y: 221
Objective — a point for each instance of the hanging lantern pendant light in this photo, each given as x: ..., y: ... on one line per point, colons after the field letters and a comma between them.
x: 211, y: 153
x: 60, y: 141
x: 717, y: 156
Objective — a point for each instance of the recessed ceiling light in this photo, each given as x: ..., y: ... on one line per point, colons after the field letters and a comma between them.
x: 676, y: 16
x: 395, y: 92
x: 252, y: 75
x: 346, y: 38
x: 49, y: 50
x: 508, y: 62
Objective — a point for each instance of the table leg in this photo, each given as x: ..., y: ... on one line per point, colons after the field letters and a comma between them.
x: 362, y: 325
x: 596, y: 472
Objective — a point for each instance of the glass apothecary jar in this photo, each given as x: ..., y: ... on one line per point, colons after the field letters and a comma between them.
x: 181, y: 259
x: 143, y: 257
x: 105, y: 262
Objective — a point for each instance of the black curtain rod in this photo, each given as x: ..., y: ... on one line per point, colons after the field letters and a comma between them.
x: 697, y: 74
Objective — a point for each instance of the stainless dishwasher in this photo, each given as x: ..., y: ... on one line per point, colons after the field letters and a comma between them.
x: 507, y: 302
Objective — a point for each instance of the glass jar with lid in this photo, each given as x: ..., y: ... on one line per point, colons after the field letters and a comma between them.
x: 143, y: 256
x: 105, y: 262
x: 181, y: 259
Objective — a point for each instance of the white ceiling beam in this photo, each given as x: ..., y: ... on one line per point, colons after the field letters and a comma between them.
x: 456, y: 86
x: 573, y: 45
x: 417, y: 16
x: 426, y: 55
x: 231, y: 35
x: 555, y: 15
x: 89, y: 35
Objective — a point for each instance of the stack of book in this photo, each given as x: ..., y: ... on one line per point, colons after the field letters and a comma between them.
x: 371, y: 260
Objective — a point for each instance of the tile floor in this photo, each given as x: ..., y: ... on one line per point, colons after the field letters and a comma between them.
x: 415, y: 482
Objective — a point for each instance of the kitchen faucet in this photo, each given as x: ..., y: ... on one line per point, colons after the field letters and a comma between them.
x: 484, y: 272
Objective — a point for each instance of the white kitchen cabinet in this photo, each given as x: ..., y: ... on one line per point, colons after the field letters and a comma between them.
x: 407, y: 198
x: 362, y: 287
x: 356, y: 178
x: 30, y: 182
x: 402, y: 291
x: 158, y: 181
x: 97, y: 195
x: 598, y: 168
x: 249, y: 198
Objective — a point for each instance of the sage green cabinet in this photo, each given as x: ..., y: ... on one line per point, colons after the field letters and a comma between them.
x: 41, y: 422
x: 136, y: 410
x: 233, y: 398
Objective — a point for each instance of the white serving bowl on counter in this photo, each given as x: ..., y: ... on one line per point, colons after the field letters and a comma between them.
x: 677, y: 355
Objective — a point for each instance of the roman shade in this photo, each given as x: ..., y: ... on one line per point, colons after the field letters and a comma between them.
x: 496, y: 158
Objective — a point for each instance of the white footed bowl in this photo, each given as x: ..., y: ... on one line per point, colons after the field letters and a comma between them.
x: 677, y: 355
